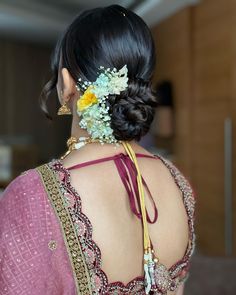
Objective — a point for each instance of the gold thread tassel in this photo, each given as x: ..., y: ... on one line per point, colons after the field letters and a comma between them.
x: 149, y: 261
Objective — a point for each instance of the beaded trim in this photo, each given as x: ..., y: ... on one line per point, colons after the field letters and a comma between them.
x: 169, y: 278
x: 82, y: 278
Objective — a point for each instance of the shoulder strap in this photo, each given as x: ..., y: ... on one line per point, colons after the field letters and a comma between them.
x: 79, y: 267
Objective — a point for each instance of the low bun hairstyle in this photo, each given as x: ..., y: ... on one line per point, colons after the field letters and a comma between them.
x: 111, y: 37
x: 132, y: 111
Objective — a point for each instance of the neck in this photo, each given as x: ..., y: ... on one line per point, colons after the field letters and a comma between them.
x: 78, y: 132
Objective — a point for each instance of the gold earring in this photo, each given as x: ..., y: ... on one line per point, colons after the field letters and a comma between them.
x: 63, y: 110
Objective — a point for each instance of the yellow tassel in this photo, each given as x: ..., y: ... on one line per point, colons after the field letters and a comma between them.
x: 146, y: 238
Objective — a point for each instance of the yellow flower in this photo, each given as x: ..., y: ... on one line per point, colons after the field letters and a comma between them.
x: 86, y: 100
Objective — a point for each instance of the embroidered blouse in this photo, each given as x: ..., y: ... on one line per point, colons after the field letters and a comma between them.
x: 50, y: 185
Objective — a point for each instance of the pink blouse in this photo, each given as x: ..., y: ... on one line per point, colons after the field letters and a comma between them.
x: 39, y: 254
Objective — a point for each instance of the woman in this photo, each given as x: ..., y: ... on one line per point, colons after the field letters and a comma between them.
x: 108, y: 217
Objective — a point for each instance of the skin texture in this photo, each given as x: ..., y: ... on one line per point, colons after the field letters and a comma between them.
x: 107, y: 205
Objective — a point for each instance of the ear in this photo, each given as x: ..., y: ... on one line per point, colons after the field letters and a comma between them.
x: 68, y: 85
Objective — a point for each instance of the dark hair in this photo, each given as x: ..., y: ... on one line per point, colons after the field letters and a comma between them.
x: 111, y: 37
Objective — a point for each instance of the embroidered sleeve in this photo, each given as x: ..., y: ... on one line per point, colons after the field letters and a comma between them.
x: 13, y: 235
x: 28, y: 237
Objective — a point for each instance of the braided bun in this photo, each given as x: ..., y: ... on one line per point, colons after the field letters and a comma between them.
x: 132, y: 111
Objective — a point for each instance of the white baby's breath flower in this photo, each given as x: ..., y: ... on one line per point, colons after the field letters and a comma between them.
x: 123, y: 71
x: 95, y: 118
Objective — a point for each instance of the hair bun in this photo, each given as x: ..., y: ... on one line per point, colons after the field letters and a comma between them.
x: 132, y: 111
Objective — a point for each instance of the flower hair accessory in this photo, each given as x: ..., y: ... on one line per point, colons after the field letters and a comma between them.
x: 92, y: 106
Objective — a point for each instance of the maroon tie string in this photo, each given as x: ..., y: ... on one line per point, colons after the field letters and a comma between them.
x: 128, y: 174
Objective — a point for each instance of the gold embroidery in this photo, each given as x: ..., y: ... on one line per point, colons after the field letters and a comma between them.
x: 80, y: 271
x: 52, y: 245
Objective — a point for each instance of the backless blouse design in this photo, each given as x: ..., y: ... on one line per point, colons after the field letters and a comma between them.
x: 46, y: 240
x: 169, y: 279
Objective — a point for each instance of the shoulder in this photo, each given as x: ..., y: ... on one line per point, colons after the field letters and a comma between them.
x: 22, y: 185
x: 181, y: 181
x: 176, y: 172
x: 22, y: 191
x: 26, y: 218
x: 179, y: 191
x: 21, y: 204
x: 18, y: 204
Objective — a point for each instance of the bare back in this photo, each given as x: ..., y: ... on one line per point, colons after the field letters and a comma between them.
x: 117, y: 231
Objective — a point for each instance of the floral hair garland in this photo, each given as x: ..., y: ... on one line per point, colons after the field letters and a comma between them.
x: 92, y: 107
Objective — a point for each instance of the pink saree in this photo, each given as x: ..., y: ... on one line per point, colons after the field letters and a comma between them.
x: 33, y: 255
x: 46, y: 244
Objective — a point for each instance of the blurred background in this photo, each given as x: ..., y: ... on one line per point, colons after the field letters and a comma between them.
x: 195, y: 122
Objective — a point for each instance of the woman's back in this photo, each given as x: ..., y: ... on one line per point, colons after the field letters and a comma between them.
x: 72, y: 231
x: 116, y: 231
